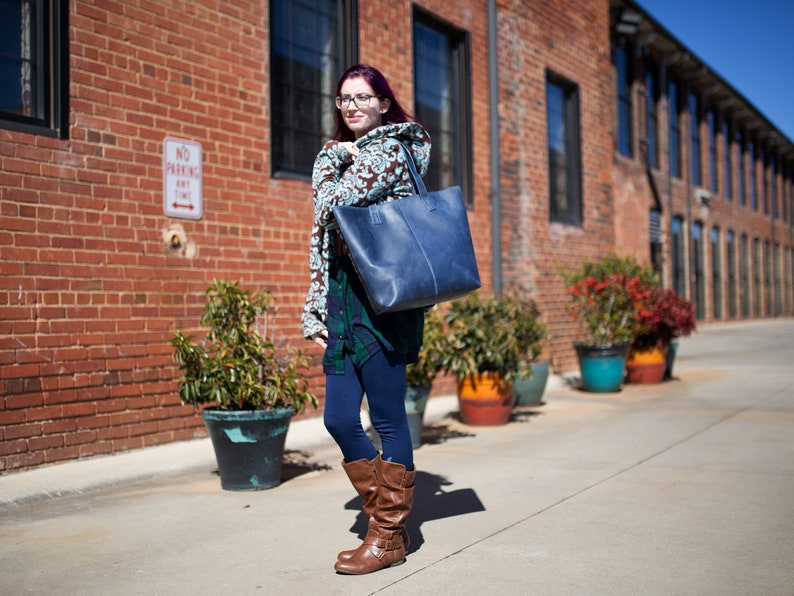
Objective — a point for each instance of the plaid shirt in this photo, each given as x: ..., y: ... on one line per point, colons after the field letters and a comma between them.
x: 354, y: 328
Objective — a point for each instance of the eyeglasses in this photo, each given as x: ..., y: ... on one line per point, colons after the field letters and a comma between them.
x: 360, y: 101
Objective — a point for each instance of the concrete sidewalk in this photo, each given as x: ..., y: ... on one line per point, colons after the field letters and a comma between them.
x: 680, y: 488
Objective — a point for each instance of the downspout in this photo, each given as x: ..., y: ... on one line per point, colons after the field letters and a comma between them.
x: 668, y: 182
x: 496, y: 176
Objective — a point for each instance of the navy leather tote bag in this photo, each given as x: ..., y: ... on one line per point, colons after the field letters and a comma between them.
x: 412, y: 252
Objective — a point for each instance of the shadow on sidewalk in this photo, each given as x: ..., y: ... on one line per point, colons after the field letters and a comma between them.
x: 296, y: 463
x: 431, y: 502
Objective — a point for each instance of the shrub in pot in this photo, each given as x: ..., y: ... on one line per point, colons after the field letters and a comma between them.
x: 530, y: 332
x: 253, y: 387
x: 665, y: 318
x: 606, y: 298
x: 485, y: 354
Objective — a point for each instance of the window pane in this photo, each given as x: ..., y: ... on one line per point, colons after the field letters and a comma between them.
x: 699, y: 274
x: 716, y: 273
x: 730, y: 256
x: 741, y: 157
x: 562, y: 117
x: 650, y: 109
x: 674, y: 132
x: 624, y: 101
x: 441, y: 101
x: 712, y: 126
x: 678, y: 256
x: 694, y: 130
x: 726, y: 152
x: 306, y: 60
x: 753, y: 196
x: 744, y: 272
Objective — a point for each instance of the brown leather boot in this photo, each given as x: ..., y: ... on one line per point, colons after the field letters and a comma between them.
x: 383, y: 546
x: 364, y: 479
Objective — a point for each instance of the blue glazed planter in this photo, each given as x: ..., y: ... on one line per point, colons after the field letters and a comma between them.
x: 672, y: 350
x: 249, y: 446
x: 602, y: 367
x: 529, y: 392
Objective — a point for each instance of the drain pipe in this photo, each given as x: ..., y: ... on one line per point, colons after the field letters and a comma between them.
x: 496, y: 175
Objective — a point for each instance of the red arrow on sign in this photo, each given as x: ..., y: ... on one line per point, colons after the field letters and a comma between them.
x: 181, y: 206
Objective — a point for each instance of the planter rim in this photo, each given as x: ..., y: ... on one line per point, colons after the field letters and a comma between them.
x: 215, y: 413
x: 584, y: 344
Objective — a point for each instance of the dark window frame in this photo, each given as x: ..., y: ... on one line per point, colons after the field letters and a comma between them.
x: 652, y: 113
x: 291, y: 158
x: 730, y: 259
x: 711, y: 123
x: 50, y: 84
x: 450, y: 165
x: 622, y: 61
x: 763, y: 158
x: 698, y: 273
x: 727, y: 161
x: 752, y: 151
x: 744, y: 275
x: 674, y: 126
x: 716, y: 273
x: 678, y: 256
x: 695, y: 165
x: 741, y: 170
x: 571, y: 212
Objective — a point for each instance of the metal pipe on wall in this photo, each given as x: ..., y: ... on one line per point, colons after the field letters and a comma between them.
x: 496, y: 176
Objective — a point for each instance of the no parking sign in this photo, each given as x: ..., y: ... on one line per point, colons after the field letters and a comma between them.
x: 183, y: 179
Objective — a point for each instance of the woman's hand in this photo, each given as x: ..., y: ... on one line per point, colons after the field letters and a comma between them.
x: 352, y: 148
x: 321, y: 339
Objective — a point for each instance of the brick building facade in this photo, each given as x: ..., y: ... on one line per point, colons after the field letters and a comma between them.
x: 96, y: 275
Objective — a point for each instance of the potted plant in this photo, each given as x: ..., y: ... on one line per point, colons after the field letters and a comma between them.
x: 606, y: 298
x: 485, y: 355
x: 665, y: 318
x: 254, y: 387
x: 530, y: 332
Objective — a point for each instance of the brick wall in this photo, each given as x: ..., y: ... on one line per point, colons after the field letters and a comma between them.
x: 90, y: 290
x: 570, y: 40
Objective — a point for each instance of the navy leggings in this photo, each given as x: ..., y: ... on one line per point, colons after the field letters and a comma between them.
x: 382, y: 378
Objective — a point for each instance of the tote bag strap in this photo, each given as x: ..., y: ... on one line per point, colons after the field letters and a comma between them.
x: 418, y: 183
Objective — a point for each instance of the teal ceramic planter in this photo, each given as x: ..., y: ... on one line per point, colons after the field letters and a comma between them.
x: 602, y: 367
x: 529, y: 391
x: 249, y: 446
x: 669, y: 360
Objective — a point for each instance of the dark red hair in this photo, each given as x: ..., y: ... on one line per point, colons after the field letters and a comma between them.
x: 381, y: 88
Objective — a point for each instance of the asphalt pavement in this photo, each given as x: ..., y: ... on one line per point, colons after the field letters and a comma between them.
x: 686, y: 487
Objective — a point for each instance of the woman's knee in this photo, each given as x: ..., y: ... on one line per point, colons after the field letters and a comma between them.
x: 340, y: 425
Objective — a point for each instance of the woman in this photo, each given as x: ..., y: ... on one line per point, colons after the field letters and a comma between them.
x: 365, y: 352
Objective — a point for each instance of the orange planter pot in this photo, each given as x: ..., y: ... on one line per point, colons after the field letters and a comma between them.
x: 485, y: 400
x: 645, y: 366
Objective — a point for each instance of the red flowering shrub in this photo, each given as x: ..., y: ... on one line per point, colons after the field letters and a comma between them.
x: 609, y: 298
x: 666, y: 317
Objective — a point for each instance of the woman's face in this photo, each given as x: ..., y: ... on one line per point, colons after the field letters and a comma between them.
x: 360, y: 117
